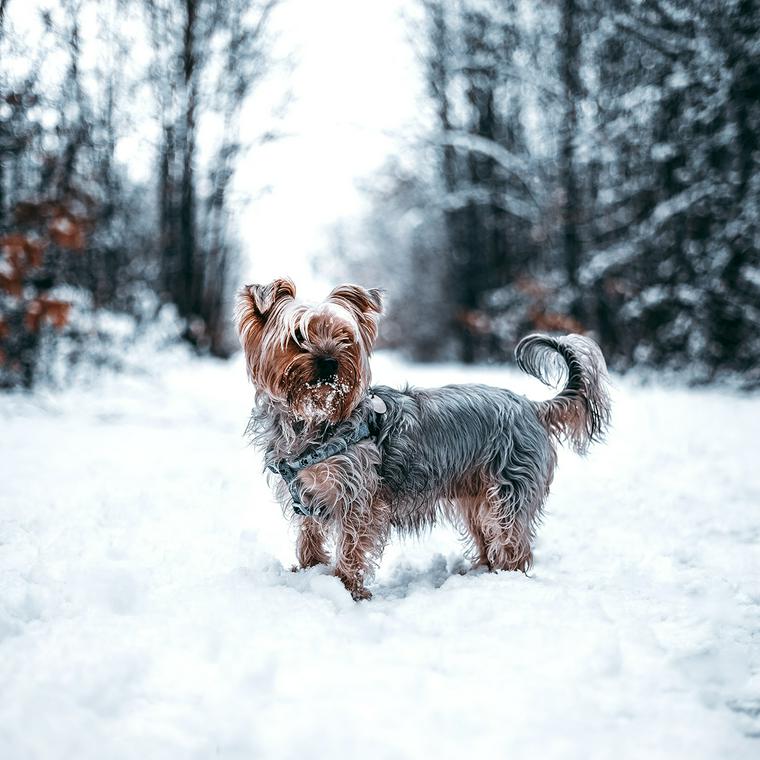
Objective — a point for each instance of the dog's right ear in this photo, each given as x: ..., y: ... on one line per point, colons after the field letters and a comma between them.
x: 255, y: 302
x: 258, y: 300
x: 254, y: 306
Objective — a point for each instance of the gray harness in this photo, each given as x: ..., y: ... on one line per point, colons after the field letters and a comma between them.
x: 288, y: 469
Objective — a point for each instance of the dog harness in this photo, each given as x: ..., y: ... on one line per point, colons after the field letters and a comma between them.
x: 288, y: 469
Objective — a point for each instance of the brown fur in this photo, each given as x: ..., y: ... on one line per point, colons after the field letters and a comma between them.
x: 311, y: 547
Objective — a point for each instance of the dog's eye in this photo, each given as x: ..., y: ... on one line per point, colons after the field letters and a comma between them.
x: 298, y: 335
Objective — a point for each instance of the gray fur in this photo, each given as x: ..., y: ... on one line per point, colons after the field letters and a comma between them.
x: 580, y: 413
x: 432, y: 441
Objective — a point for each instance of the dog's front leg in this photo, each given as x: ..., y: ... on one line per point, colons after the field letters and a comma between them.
x: 362, y: 535
x: 352, y: 560
x: 345, y: 490
x: 310, y: 545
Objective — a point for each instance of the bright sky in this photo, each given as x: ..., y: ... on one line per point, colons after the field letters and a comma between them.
x: 355, y: 82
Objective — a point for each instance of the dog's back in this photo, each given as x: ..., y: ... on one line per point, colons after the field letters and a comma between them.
x: 485, y: 456
x: 436, y: 443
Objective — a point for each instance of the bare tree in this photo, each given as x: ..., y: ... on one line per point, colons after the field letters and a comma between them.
x: 192, y: 79
x: 71, y: 213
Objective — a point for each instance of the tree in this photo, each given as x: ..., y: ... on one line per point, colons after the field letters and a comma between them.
x: 596, y: 171
x: 676, y: 237
x: 207, y: 58
x: 482, y: 193
x: 76, y: 220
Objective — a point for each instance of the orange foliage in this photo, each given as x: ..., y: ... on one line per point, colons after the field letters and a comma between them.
x: 40, y: 309
x: 547, y: 321
x: 64, y: 227
x: 476, y: 322
x: 66, y: 232
x: 22, y: 253
x: 539, y: 313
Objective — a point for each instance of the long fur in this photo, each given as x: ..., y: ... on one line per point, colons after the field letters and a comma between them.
x: 482, y: 458
x: 580, y: 413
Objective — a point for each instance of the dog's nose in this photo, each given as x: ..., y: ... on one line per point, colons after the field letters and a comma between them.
x: 326, y: 368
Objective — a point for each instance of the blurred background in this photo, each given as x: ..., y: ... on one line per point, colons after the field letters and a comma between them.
x: 498, y: 167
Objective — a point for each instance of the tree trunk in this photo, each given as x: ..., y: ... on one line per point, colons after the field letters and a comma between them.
x: 166, y: 200
x: 570, y: 42
x: 189, y: 286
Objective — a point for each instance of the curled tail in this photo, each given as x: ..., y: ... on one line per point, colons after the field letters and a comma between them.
x: 580, y: 412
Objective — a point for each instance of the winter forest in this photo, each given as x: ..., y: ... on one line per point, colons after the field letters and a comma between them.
x: 495, y: 168
x: 579, y: 167
x: 588, y: 167
x: 82, y: 231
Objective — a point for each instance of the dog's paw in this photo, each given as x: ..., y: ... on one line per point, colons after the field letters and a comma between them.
x: 360, y: 594
x: 355, y: 586
x: 300, y: 568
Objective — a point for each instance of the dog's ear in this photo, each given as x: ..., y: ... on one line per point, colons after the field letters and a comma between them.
x: 254, y: 306
x: 366, y: 305
x: 260, y: 299
x: 255, y: 302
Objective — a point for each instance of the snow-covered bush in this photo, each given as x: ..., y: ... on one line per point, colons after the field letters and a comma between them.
x: 99, y: 340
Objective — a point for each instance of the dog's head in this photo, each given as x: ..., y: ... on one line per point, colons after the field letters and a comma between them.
x: 313, y: 359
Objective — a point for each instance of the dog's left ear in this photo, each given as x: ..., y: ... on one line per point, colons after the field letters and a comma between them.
x: 366, y: 305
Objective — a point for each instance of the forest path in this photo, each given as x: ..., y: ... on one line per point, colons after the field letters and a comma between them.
x: 146, y: 609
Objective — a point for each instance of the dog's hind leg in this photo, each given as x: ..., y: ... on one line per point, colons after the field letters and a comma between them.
x: 471, y: 509
x: 508, y: 526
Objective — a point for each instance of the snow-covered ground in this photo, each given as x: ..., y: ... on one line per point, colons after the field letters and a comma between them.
x: 147, y: 609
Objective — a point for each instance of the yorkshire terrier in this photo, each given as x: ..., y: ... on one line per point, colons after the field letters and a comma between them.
x: 353, y: 461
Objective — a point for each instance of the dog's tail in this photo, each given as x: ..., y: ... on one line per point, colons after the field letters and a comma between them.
x: 580, y: 412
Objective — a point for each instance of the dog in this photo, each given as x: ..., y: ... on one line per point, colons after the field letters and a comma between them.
x: 352, y: 462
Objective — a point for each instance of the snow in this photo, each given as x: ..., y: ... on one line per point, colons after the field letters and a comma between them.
x: 356, y: 96
x: 147, y: 608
